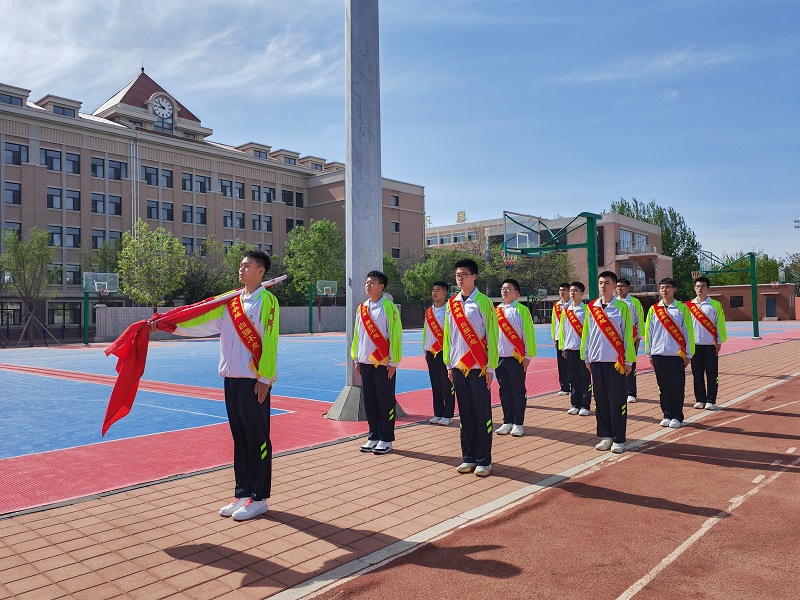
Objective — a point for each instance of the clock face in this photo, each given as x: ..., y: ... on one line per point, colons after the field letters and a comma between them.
x: 162, y: 107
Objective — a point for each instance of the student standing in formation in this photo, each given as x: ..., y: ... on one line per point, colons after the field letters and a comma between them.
x: 637, y: 314
x: 669, y: 342
x: 573, y: 320
x: 470, y: 348
x: 248, y: 327
x: 517, y: 346
x: 607, y: 349
x: 377, y: 350
x: 708, y: 321
x: 444, y: 400
x: 555, y: 334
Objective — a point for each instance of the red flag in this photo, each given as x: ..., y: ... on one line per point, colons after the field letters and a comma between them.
x: 130, y: 348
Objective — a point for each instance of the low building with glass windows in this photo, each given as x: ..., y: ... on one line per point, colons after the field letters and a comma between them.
x: 86, y: 178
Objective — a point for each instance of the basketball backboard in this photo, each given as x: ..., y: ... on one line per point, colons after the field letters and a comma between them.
x: 100, y: 282
x: 520, y: 233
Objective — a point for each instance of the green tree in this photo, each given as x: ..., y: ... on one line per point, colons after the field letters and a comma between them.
x: 791, y: 265
x: 678, y: 240
x: 152, y: 265
x: 766, y: 269
x: 313, y: 253
x: 103, y: 260
x: 437, y: 265
x: 546, y: 271
x: 207, y: 271
x: 393, y: 269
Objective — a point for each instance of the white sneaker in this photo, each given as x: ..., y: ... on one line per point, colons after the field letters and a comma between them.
x: 631, y: 399
x: 710, y: 406
x: 617, y: 448
x: 382, y: 448
x: 516, y: 430
x: 584, y: 412
x: 483, y: 471
x: 675, y: 424
x: 605, y: 444
x: 699, y: 405
x: 250, y: 509
x: 467, y: 467
x: 229, y: 509
x: 563, y: 393
x: 504, y: 429
x: 434, y: 420
x: 369, y: 446
x: 445, y: 421
x: 573, y: 411
x: 664, y: 422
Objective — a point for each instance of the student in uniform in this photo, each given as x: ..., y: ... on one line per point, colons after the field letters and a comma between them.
x: 444, y: 400
x: 708, y: 321
x: 669, y: 342
x: 573, y: 320
x: 555, y: 334
x: 377, y: 350
x: 517, y: 346
x: 248, y: 327
x: 607, y: 349
x: 637, y: 313
x: 470, y: 348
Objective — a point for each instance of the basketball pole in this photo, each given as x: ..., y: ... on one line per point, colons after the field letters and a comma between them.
x: 85, y: 317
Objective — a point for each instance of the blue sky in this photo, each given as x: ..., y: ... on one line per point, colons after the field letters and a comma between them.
x: 536, y: 106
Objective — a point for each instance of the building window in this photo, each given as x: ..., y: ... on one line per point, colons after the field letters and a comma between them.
x: 98, y: 203
x: 72, y: 274
x: 298, y: 199
x: 152, y: 209
x: 238, y: 190
x: 72, y: 164
x: 55, y: 235
x: 299, y: 223
x: 459, y: 237
x: 51, y: 159
x: 288, y: 197
x: 625, y: 239
x: 239, y: 220
x: 316, y: 166
x: 150, y: 175
x: 166, y: 178
x: 63, y: 111
x: 114, y: 236
x: 737, y: 301
x: 626, y: 272
x: 256, y: 221
x: 187, y: 212
x: 136, y: 124
x: 73, y: 237
x: 203, y: 183
x: 12, y: 193
x: 72, y: 200
x: 190, y: 136
x: 227, y: 218
x: 117, y: 170
x: 200, y: 213
x: 431, y: 240
x: 446, y: 239
x: 55, y: 274
x: 268, y: 194
x: 288, y: 160
x: 289, y: 225
x: 255, y: 193
x: 166, y: 211
x: 163, y: 124
x: 53, y: 198
x: 394, y: 200
x: 98, y: 238
x: 12, y: 100
x: 395, y: 226
x: 11, y: 227
x: 266, y: 223
x: 260, y: 154
x: 63, y: 313
x: 472, y: 236
x: 226, y: 187
x: 395, y: 252
x: 115, y: 205
x: 98, y: 167
x: 188, y: 243
x: 267, y: 248
x: 186, y: 182
x: 16, y: 154
x: 641, y: 240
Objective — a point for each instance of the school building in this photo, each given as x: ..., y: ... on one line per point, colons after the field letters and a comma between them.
x: 87, y: 177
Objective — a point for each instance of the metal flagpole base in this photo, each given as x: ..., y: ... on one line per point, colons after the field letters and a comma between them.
x: 349, y: 406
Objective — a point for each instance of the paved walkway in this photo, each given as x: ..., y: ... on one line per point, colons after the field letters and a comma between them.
x: 334, y: 510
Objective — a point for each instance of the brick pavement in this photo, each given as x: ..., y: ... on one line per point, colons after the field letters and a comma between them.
x: 331, y: 506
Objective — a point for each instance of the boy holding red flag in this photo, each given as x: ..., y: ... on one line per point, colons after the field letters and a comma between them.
x: 708, y: 321
x: 470, y: 347
x: 669, y: 342
x: 377, y: 349
x: 517, y: 346
x: 444, y: 401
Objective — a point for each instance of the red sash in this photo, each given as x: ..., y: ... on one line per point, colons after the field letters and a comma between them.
x: 381, y: 353
x: 671, y: 327
x: 610, y: 332
x: 476, y: 355
x: 702, y: 318
x: 436, y: 330
x: 557, y: 310
x: 575, y: 322
x: 511, y: 334
x: 246, y: 331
